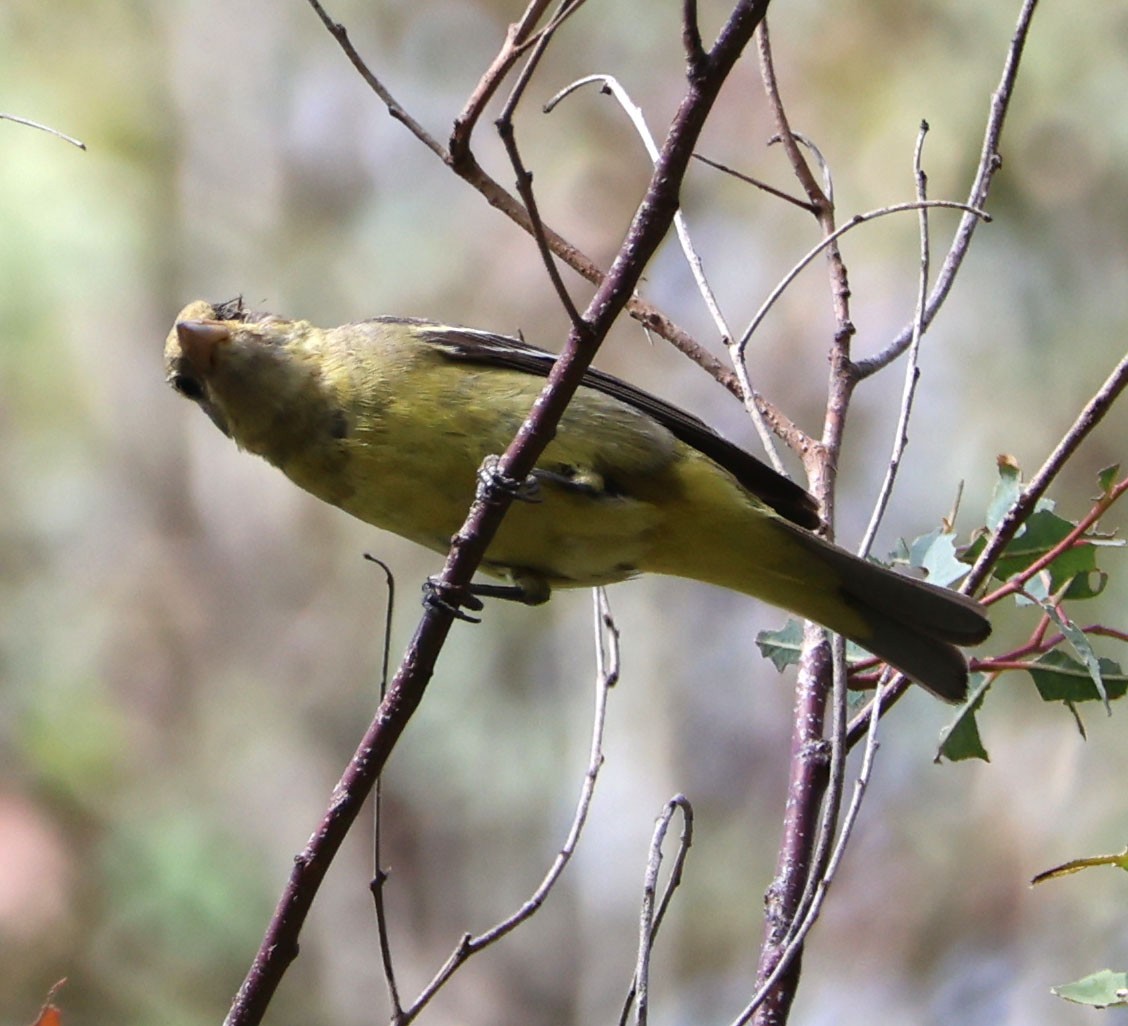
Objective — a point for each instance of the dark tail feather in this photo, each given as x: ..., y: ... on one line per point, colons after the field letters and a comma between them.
x: 914, y: 626
x: 935, y: 664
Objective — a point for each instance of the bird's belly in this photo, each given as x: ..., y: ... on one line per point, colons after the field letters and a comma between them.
x: 572, y: 533
x: 574, y: 540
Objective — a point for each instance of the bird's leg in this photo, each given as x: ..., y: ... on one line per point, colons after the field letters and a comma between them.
x: 527, y: 588
x: 530, y: 591
x: 437, y: 594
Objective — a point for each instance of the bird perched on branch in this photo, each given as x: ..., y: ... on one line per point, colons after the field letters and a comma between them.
x: 390, y: 419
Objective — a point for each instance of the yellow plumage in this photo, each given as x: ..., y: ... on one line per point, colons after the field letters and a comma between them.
x: 390, y: 420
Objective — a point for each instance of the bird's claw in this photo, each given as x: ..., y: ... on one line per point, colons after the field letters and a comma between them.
x: 437, y: 594
x: 491, y: 481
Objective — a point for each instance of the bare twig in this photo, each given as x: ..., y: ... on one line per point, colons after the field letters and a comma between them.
x: 652, y: 912
x: 695, y: 54
x: 786, y: 429
x: 607, y: 675
x: 505, y: 129
x: 468, y: 169
x: 614, y: 88
x: 517, y: 38
x: 379, y: 876
x: 1041, y: 642
x: 912, y: 367
x: 819, y: 461
x: 44, y: 128
x: 854, y: 222
x: 762, y: 413
x: 1092, y: 414
x: 771, y: 190
x: 338, y: 31
x: 989, y: 163
x: 818, y: 201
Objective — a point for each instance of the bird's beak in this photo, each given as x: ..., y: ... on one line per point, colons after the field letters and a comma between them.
x: 199, y: 341
x: 191, y: 367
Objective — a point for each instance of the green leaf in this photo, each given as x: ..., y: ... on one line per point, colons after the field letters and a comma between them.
x: 1105, y: 989
x: 1073, y: 574
x: 1040, y: 533
x: 1061, y: 678
x: 936, y: 554
x: 1008, y: 488
x: 1107, y: 478
x: 783, y: 646
x: 960, y: 739
x: 1081, y: 645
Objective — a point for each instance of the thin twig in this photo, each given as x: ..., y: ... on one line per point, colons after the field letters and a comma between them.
x: 614, y: 88
x: 606, y: 676
x: 518, y: 36
x: 653, y: 911
x: 695, y: 54
x: 818, y: 200
x: 771, y: 190
x: 44, y: 128
x: 508, y: 135
x: 820, y: 461
x: 989, y: 164
x: 468, y: 169
x: 854, y: 222
x: 379, y: 876
x: 912, y: 366
x: 762, y: 413
x: 518, y: 40
x: 338, y: 31
x: 1042, y: 642
x: 1094, y: 411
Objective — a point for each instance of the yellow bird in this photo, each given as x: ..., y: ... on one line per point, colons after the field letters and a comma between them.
x: 390, y: 419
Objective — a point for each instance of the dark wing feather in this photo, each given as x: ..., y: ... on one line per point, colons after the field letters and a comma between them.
x: 781, y: 494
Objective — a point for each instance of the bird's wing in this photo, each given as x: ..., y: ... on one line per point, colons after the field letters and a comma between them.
x: 773, y: 489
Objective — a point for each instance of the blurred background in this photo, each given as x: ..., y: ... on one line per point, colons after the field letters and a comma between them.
x: 190, y: 647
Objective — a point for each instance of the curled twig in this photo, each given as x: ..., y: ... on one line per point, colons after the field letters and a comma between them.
x: 989, y: 164
x: 854, y: 222
x: 607, y: 675
x: 653, y: 912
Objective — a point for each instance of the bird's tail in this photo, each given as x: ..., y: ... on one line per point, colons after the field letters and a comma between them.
x: 914, y: 626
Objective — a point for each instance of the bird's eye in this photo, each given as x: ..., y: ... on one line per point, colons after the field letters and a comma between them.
x: 188, y: 386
